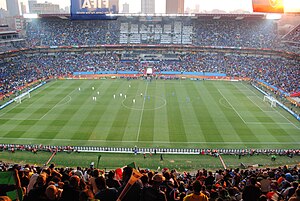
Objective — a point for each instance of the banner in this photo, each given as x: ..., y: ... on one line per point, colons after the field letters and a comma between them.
x: 8, y: 178
x: 267, y: 6
x: 92, y: 10
x: 134, y: 177
x: 296, y: 94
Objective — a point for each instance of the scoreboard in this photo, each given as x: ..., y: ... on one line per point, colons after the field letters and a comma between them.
x: 92, y: 10
x: 268, y: 6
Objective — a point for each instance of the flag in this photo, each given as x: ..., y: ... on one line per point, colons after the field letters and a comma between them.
x: 132, y: 165
x: 268, y: 6
x: 8, y: 178
x: 134, y: 177
x: 98, y: 160
x: 119, y: 171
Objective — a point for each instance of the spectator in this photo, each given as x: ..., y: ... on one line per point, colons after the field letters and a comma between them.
x: 153, y: 192
x: 296, y: 197
x: 196, y: 195
x: 105, y: 193
x: 251, y: 191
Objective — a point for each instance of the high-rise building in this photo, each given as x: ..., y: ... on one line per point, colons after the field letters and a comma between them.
x: 30, y: 5
x: 13, y: 7
x: 23, y: 8
x: 125, y: 8
x: 114, y: 5
x: 174, y: 6
x: 148, y: 6
x: 104, y: 3
x: 45, y: 8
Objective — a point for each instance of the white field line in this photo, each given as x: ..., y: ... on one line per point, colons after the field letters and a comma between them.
x: 275, y: 110
x: 232, y: 107
x: 141, y: 117
x: 155, y: 142
x: 57, y: 104
x: 257, y: 105
x: 261, y: 123
x: 9, y: 110
x: 20, y: 119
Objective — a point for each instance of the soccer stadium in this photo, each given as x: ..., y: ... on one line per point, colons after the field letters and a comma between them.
x: 150, y: 107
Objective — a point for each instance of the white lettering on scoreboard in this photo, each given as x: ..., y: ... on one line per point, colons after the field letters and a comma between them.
x: 90, y: 4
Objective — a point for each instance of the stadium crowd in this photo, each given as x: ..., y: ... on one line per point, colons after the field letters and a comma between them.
x: 62, y: 33
x: 294, y: 35
x: 20, y: 71
x: 233, y: 33
x: 249, y: 33
x: 87, y: 183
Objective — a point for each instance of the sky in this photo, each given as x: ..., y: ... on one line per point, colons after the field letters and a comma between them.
x: 204, y: 5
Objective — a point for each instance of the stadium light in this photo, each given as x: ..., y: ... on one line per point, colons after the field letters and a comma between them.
x: 273, y: 16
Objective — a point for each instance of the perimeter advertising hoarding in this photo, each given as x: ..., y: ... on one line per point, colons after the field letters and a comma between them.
x: 91, y: 10
x: 267, y: 6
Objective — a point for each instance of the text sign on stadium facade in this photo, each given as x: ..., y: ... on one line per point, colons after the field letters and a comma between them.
x: 91, y: 9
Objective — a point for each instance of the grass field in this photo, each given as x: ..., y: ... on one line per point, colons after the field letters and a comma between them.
x: 169, y: 113
x: 114, y: 160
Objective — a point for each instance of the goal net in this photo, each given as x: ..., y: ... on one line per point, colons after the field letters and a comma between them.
x: 271, y: 100
x: 21, y: 97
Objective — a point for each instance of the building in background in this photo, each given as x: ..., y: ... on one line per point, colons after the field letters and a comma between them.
x: 13, y: 7
x: 23, y: 8
x: 3, y: 13
x: 148, y: 6
x: 45, y: 8
x: 125, y: 8
x: 174, y: 6
x: 114, y: 5
x: 104, y: 3
x: 30, y: 5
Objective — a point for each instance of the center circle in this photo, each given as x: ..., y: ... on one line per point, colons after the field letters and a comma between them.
x: 144, y: 102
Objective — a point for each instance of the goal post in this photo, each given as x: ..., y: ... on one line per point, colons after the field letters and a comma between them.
x: 21, y: 97
x: 271, y: 100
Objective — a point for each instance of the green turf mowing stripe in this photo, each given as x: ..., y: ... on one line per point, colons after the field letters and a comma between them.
x: 239, y: 108
x: 27, y: 109
x: 189, y: 102
x: 222, y: 116
x: 14, y: 134
x: 81, y: 109
x: 161, y: 127
x: 266, y: 120
x: 208, y: 118
x: 175, y: 122
x: 146, y: 132
x: 208, y: 125
x: 130, y: 89
x: 120, y: 121
x: 56, y: 113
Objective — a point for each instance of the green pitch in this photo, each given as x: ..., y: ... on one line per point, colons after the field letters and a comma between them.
x: 161, y: 113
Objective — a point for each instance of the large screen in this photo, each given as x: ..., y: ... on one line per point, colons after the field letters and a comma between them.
x: 268, y: 6
x: 91, y: 9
